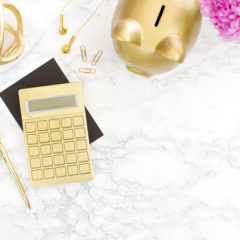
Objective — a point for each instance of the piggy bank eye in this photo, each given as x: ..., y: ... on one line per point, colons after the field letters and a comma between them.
x: 160, y: 15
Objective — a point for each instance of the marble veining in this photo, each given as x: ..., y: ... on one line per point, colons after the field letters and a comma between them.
x: 168, y: 167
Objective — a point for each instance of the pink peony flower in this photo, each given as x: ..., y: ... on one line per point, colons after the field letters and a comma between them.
x: 225, y: 15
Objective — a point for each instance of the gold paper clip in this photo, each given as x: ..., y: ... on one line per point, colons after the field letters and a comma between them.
x: 83, y: 53
x: 97, y: 58
x: 87, y: 70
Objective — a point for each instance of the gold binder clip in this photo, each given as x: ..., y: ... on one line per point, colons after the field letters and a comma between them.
x: 87, y: 70
x: 83, y: 53
x: 97, y: 58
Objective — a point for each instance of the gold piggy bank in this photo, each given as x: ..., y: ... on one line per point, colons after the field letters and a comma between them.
x: 155, y: 36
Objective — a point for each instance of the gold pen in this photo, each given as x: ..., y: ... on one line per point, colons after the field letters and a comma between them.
x: 14, y: 175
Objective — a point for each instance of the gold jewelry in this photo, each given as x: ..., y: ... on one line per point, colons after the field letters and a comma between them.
x: 15, y: 50
x: 67, y: 47
x: 62, y: 30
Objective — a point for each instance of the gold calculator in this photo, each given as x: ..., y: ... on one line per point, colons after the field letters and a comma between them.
x: 56, y: 134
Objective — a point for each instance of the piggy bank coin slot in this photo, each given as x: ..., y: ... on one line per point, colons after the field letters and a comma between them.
x: 160, y: 16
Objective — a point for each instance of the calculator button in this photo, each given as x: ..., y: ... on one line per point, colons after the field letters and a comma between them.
x: 37, y: 175
x: 32, y: 139
x: 57, y: 148
x: 69, y: 146
x: 71, y: 158
x: 81, y: 145
x: 47, y: 161
x: 59, y: 160
x: 66, y: 122
x: 42, y: 125
x: 61, y: 172
x: 30, y: 127
x: 44, y: 138
x: 56, y: 136
x: 33, y: 151
x: 78, y: 121
x: 48, y: 173
x: 54, y: 124
x: 72, y: 170
x: 83, y: 157
x: 68, y: 134
x: 84, y: 168
x: 80, y: 133
x: 35, y: 163
x: 45, y: 149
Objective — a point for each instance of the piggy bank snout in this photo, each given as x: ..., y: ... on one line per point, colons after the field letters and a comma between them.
x: 172, y: 47
x: 128, y: 30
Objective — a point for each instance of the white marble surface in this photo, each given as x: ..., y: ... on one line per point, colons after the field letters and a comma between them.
x: 168, y: 167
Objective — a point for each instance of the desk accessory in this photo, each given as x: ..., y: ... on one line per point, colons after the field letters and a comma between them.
x: 97, y: 57
x: 48, y: 74
x: 32, y: 34
x: 94, y: 62
x: 87, y: 70
x: 14, y: 175
x: 83, y: 53
x: 153, y: 36
x: 56, y: 136
x: 15, y: 50
x: 67, y: 47
x: 225, y: 16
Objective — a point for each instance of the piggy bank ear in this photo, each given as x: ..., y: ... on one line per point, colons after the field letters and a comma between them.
x: 128, y: 30
x: 172, y: 47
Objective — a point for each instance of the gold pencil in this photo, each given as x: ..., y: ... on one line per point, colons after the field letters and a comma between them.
x: 14, y: 175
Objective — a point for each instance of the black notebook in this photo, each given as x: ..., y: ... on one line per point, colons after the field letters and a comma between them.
x: 48, y: 74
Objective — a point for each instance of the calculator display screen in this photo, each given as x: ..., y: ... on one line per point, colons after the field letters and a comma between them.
x: 45, y: 104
